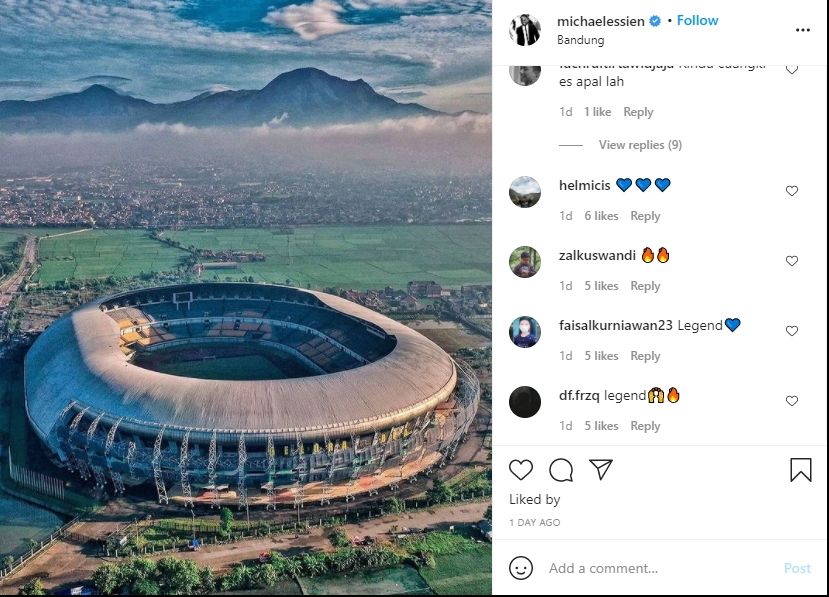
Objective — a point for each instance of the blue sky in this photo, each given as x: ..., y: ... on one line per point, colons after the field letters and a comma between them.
x: 436, y: 52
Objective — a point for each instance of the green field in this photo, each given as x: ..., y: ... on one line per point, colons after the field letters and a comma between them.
x: 357, y: 257
x: 102, y: 253
x: 466, y: 573
x: 228, y: 368
x: 401, y: 580
x: 462, y: 566
x: 10, y: 234
x: 7, y: 240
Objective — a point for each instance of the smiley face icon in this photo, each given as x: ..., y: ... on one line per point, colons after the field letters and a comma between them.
x: 520, y: 568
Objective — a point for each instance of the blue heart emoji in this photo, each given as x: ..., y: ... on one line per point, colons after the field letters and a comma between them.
x: 662, y: 183
x: 732, y: 324
x: 643, y: 183
x: 624, y: 183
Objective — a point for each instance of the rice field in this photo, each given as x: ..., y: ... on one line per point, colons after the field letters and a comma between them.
x: 356, y: 257
x: 102, y: 253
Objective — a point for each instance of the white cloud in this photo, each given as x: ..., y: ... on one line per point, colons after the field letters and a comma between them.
x: 162, y: 127
x: 277, y: 120
x: 441, y: 125
x: 311, y: 21
x: 428, y: 144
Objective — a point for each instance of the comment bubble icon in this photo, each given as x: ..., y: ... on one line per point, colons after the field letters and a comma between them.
x: 561, y: 470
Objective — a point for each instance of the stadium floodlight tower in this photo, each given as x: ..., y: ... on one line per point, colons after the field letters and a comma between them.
x: 243, y: 458
x: 79, y: 459
x: 186, y: 491
x: 158, y: 474
x: 212, y: 459
x: 100, y: 479
x: 117, y: 481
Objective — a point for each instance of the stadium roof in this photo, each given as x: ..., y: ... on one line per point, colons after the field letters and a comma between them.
x: 78, y: 358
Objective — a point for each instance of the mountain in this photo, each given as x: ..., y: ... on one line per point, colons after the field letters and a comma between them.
x: 96, y: 107
x: 302, y: 97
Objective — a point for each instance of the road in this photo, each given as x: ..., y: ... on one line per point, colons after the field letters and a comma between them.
x: 11, y: 284
x: 69, y: 563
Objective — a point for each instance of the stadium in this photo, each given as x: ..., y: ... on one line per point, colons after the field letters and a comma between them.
x: 253, y: 394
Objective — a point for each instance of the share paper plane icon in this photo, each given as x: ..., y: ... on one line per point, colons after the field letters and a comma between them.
x: 601, y: 464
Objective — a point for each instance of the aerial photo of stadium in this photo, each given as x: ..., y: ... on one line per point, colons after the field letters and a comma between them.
x: 245, y: 394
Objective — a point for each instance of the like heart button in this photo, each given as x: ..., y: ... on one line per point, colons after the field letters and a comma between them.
x: 521, y: 468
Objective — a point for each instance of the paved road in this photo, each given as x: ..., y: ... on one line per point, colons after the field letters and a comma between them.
x: 10, y: 284
x: 67, y: 562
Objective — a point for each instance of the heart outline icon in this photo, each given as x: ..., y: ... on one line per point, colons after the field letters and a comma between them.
x: 643, y: 184
x: 792, y: 68
x: 792, y: 190
x: 791, y: 330
x: 662, y: 183
x: 517, y: 468
x: 624, y: 183
x: 791, y: 260
x: 792, y: 400
x: 732, y: 323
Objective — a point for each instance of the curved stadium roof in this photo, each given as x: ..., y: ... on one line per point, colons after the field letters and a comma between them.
x: 78, y: 358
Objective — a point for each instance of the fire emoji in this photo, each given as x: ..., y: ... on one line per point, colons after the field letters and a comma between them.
x: 673, y: 395
x: 656, y: 395
x: 662, y: 256
x: 647, y: 255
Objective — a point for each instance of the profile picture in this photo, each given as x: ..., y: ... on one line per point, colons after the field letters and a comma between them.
x: 525, y: 30
x: 525, y: 191
x: 524, y: 75
x: 525, y: 332
x: 524, y: 402
x: 525, y: 262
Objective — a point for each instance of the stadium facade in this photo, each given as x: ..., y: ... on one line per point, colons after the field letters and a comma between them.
x: 349, y: 401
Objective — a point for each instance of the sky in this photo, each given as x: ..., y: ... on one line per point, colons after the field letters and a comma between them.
x: 434, y: 52
x: 525, y: 185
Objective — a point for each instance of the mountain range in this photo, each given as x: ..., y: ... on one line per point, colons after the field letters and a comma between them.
x: 301, y: 97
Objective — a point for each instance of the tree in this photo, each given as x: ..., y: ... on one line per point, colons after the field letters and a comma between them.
x: 284, y: 567
x: 8, y: 561
x: 264, y: 576
x: 237, y: 579
x: 339, y: 538
x: 33, y: 587
x: 140, y: 569
x: 178, y: 577
x: 207, y: 581
x: 145, y: 586
x: 313, y: 564
x: 440, y: 492
x: 107, y: 579
x: 226, y: 521
x: 395, y: 505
